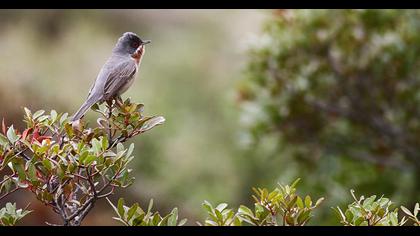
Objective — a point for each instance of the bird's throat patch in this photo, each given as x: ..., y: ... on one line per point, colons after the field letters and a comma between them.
x: 138, y: 54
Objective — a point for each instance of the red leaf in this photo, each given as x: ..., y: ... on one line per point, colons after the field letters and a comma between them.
x: 35, y: 135
x: 3, y: 126
x: 25, y: 133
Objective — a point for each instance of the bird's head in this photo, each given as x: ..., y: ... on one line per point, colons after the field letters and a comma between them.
x: 128, y: 43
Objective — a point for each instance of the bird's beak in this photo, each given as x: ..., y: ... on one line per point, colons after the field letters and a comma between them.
x: 146, y: 42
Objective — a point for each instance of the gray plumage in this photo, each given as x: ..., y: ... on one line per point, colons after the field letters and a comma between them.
x: 117, y: 74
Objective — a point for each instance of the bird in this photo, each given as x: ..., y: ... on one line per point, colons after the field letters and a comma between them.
x: 117, y: 74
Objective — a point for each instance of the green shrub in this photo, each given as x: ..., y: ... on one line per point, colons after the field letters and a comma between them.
x: 136, y: 216
x: 282, y: 206
x: 68, y: 165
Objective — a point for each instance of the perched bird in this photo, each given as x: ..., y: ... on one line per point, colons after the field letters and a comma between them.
x: 117, y: 74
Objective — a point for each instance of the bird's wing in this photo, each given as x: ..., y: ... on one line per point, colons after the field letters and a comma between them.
x: 91, y: 88
x: 118, y: 76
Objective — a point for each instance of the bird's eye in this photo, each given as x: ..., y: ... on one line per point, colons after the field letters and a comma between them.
x: 135, y: 44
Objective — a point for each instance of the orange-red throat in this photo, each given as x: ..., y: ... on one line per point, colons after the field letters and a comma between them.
x: 138, y: 54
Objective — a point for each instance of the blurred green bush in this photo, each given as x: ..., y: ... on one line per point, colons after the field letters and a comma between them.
x: 335, y: 94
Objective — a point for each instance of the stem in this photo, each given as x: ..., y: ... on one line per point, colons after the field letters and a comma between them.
x: 109, y: 120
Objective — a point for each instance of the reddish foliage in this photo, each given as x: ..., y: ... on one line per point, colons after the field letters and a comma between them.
x: 25, y: 133
x: 3, y: 126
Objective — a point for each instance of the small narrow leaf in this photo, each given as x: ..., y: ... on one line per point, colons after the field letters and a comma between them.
x: 308, y: 201
x: 158, y: 120
x: 120, y: 207
x: 132, y: 210
x: 38, y: 114
x: 221, y: 206
x: 406, y: 211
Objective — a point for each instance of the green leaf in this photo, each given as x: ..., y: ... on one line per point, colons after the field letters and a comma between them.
x: 95, y: 107
x: 89, y: 159
x: 120, y: 147
x: 32, y: 172
x: 104, y: 142
x: 149, y: 208
x: 359, y: 221
x: 11, y: 135
x: 349, y: 215
x: 406, y: 211
x: 120, y: 207
x: 155, y: 219
x: 319, y: 201
x: 182, y: 222
x: 20, y: 170
x: 158, y: 120
x: 131, y: 211
x: 292, y: 202
x: 295, y: 183
x: 139, y: 220
x: 245, y: 210
x: 221, y: 206
x: 47, y: 164
x: 393, y: 218
x: 27, y: 112
x: 53, y: 115
x: 38, y: 114
x: 96, y: 145
x: 208, y: 206
x: 303, y: 217
x: 42, y: 118
x: 299, y: 202
x: 3, y: 140
x: 219, y: 215
x: 173, y: 218
x: 83, y: 156
x: 63, y: 118
x: 369, y: 201
x: 308, y: 201
x: 130, y: 150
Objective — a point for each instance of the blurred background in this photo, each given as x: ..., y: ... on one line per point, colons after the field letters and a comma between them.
x: 250, y: 97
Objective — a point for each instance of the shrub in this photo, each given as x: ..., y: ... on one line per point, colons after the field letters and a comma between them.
x: 282, y: 206
x: 68, y: 165
x: 136, y: 216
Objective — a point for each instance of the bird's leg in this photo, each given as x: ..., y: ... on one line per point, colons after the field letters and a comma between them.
x: 119, y: 102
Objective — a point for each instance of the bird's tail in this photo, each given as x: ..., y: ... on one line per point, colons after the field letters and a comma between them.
x: 83, y: 109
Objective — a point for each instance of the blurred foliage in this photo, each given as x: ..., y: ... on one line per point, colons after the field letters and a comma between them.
x: 280, y: 207
x: 335, y: 95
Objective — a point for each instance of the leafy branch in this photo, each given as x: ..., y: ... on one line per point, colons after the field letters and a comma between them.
x: 68, y: 165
